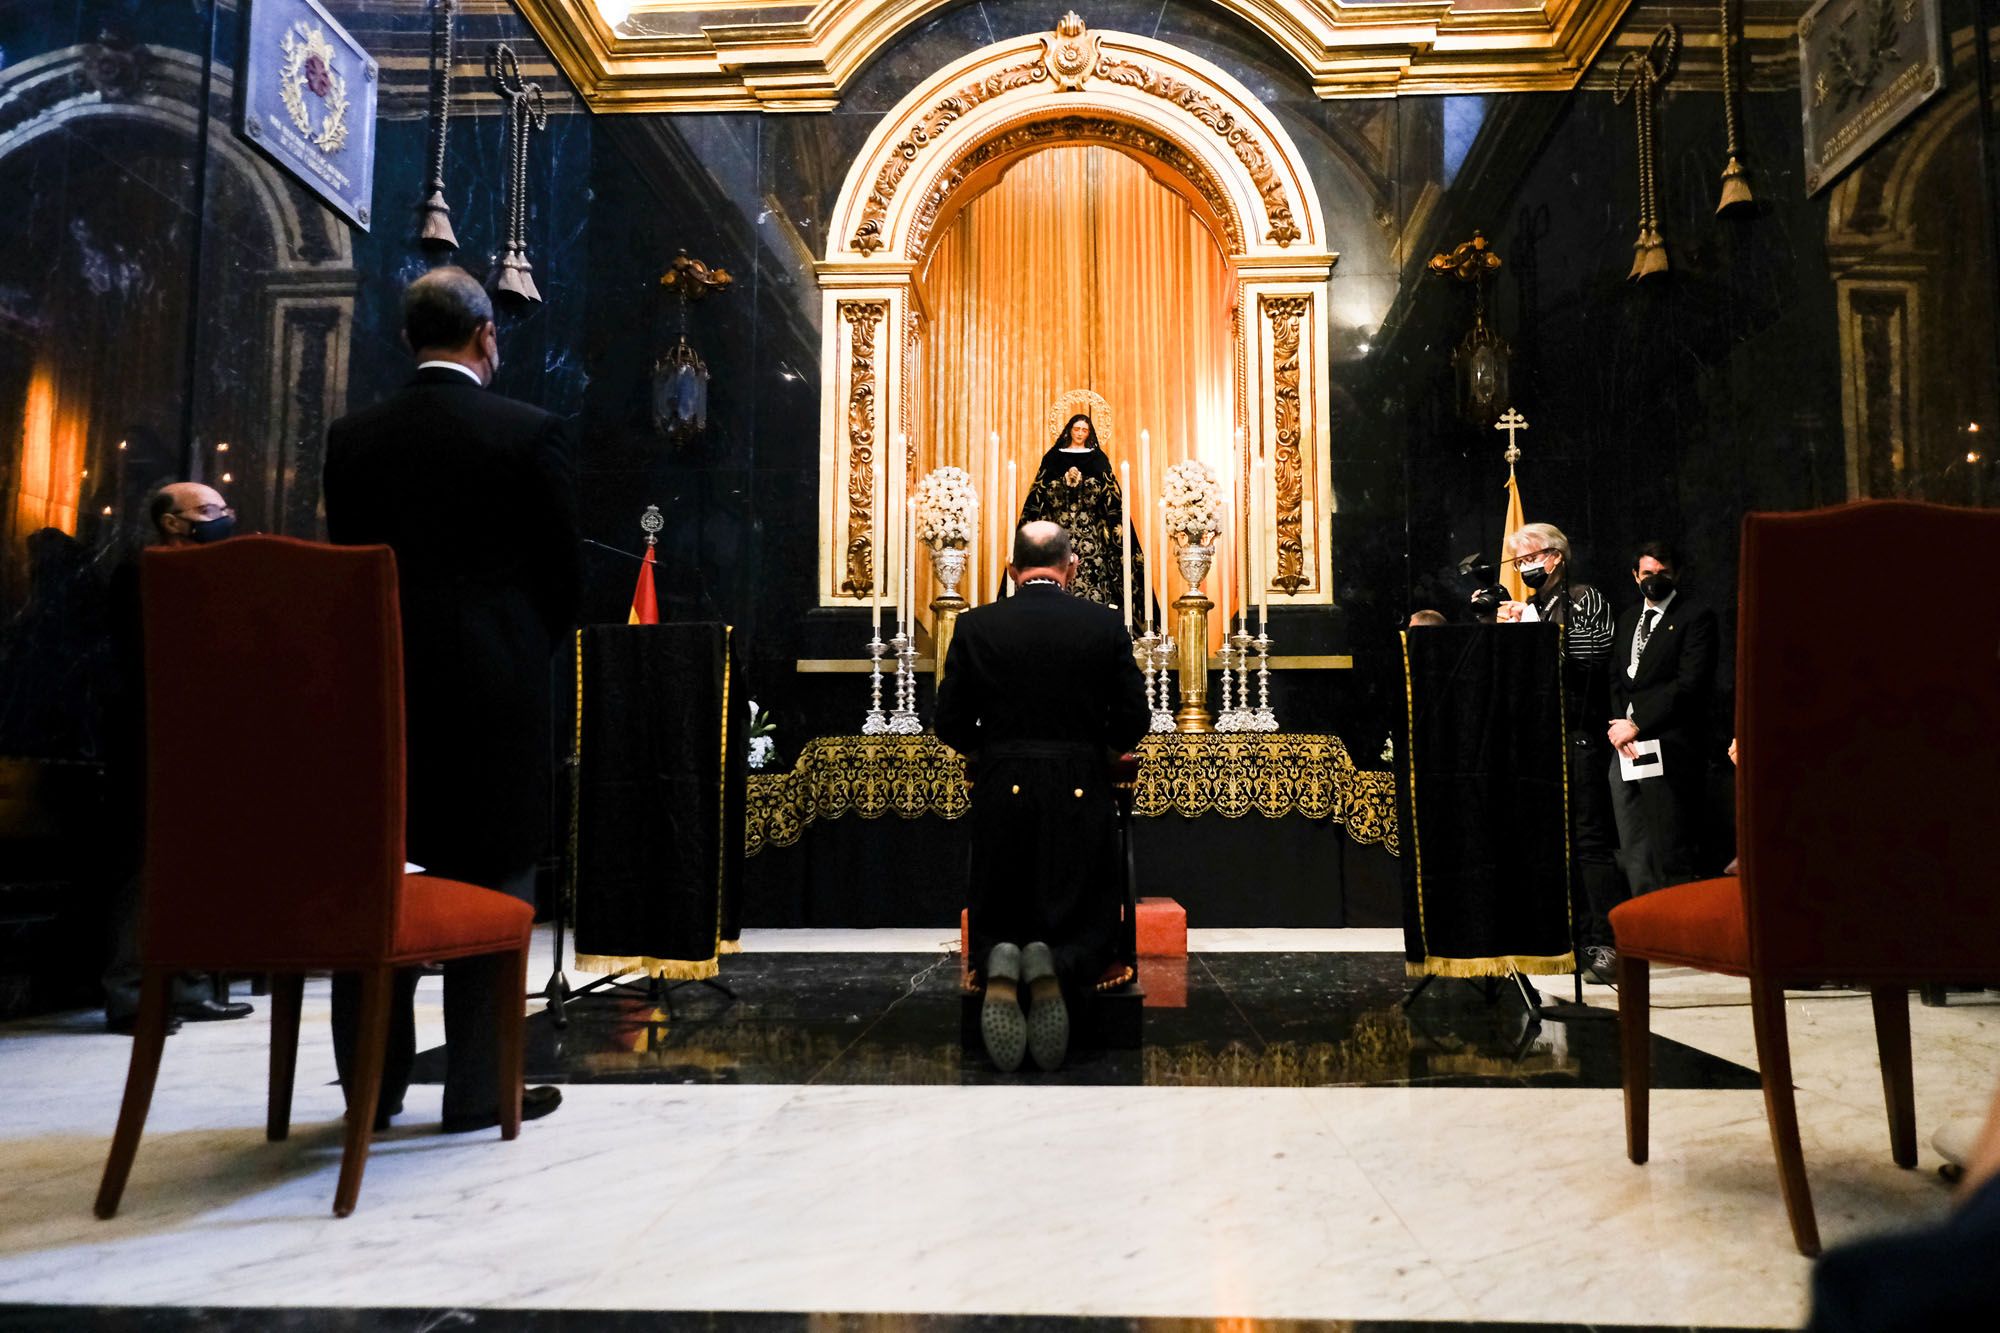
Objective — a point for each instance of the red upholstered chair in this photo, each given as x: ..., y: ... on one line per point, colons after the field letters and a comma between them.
x: 278, y: 665
x: 1868, y: 731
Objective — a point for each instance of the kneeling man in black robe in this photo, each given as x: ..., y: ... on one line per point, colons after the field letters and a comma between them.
x: 1041, y: 691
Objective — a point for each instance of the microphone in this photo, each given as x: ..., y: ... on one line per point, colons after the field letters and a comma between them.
x: 615, y: 550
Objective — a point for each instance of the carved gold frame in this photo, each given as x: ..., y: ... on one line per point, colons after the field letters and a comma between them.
x: 782, y: 55
x: 1201, y: 133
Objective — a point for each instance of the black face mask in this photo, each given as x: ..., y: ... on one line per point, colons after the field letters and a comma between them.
x: 206, y: 530
x: 1657, y: 587
x: 1534, y: 575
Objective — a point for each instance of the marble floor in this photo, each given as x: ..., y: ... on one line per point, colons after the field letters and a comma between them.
x: 1289, y: 1146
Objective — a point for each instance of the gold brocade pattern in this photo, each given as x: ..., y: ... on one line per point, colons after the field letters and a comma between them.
x: 1184, y: 774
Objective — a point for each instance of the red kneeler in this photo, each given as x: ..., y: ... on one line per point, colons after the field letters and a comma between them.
x: 280, y: 663
x: 1867, y: 717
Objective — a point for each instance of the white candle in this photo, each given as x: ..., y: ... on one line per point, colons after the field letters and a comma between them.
x: 875, y: 561
x: 1125, y: 539
x: 996, y: 525
x: 1013, y: 519
x: 1160, y: 535
x: 1259, y: 573
x: 910, y: 570
x: 1222, y: 581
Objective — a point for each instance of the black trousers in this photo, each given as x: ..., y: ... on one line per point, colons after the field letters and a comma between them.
x: 471, y: 996
x: 1593, y: 841
x: 1659, y: 825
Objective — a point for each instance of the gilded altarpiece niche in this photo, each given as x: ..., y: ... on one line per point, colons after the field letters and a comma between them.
x: 1202, y: 135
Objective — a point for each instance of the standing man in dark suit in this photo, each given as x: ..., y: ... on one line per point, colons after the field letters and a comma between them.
x: 477, y: 496
x: 1041, y: 689
x: 1662, y: 684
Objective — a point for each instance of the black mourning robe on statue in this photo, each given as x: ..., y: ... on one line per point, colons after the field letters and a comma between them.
x: 1482, y: 801
x: 1079, y: 490
x: 1040, y: 691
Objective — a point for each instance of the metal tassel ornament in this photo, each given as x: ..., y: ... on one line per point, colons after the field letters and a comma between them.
x: 526, y: 111
x: 1639, y: 76
x: 434, y: 231
x: 1735, y: 181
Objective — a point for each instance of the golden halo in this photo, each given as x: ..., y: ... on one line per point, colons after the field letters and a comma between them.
x: 1091, y: 404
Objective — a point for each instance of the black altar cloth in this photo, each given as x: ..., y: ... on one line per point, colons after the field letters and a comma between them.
x: 657, y: 838
x: 1482, y: 802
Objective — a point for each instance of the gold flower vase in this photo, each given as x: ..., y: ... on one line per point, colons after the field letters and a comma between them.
x: 948, y: 563
x: 1191, y: 610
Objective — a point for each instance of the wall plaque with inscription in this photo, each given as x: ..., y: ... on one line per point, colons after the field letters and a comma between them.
x: 1864, y: 66
x: 309, y: 101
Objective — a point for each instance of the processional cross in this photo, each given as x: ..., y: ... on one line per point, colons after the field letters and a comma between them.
x: 1511, y: 422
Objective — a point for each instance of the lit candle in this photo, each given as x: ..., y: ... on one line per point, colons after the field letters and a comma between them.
x: 910, y: 570
x: 1160, y: 540
x: 875, y: 570
x: 1125, y: 540
x: 1013, y: 519
x: 997, y: 524
x: 1259, y: 574
x: 1222, y: 583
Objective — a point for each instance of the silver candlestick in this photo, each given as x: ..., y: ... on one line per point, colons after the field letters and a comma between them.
x: 875, y: 724
x: 1163, y: 658
x: 1235, y: 684
x: 904, y: 721
x: 1265, y: 719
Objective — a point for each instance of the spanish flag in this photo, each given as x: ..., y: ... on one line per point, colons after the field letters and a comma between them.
x: 645, y: 603
x: 1510, y: 577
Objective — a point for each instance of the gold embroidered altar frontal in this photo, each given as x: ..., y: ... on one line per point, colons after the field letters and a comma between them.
x: 1273, y: 775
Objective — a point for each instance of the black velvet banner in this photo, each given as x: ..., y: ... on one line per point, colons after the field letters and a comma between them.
x: 1482, y: 802
x: 660, y: 790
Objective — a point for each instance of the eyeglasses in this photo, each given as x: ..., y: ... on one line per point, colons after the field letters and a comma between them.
x: 1518, y: 560
x: 206, y: 512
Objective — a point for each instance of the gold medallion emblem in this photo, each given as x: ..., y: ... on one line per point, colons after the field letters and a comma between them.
x: 309, y: 67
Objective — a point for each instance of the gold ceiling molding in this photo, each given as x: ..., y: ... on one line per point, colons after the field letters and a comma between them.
x: 784, y: 55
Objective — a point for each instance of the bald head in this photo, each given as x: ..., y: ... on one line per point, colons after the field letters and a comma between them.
x: 447, y: 316
x: 1042, y: 550
x: 180, y: 509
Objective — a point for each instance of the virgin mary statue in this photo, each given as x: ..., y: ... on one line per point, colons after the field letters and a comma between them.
x: 1077, y: 487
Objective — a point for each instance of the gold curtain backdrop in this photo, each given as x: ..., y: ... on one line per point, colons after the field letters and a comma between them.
x: 1077, y: 269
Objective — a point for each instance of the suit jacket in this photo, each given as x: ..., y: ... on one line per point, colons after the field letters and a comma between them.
x: 1671, y: 694
x: 1041, y: 666
x: 477, y: 496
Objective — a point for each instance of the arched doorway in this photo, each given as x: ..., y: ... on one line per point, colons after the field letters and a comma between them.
x: 1195, y: 132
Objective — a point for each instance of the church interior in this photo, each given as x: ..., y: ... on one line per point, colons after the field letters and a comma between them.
x: 1358, y: 302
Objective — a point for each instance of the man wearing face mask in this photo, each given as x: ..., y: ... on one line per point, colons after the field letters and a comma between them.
x: 178, y: 513
x: 1540, y: 553
x: 476, y: 494
x: 1663, y: 660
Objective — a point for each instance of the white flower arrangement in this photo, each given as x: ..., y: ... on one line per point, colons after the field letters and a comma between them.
x: 1194, y: 502
x: 763, y: 737
x: 947, y: 509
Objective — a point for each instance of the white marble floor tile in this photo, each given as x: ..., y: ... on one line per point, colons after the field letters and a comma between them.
x: 1238, y: 939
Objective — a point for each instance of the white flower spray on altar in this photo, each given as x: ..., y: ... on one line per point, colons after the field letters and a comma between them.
x: 947, y: 509
x: 1194, y: 502
x: 763, y: 737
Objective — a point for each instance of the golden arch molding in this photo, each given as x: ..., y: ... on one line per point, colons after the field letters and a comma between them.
x: 1202, y: 134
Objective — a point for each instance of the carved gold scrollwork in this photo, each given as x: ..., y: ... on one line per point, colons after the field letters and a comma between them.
x: 1277, y: 207
x: 868, y: 237
x: 863, y: 317
x: 1287, y: 474
x: 1286, y: 773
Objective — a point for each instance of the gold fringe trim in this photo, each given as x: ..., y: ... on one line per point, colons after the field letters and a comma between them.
x: 667, y: 969
x: 728, y: 947
x: 1526, y: 964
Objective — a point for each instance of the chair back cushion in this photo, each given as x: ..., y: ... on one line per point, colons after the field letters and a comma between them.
x: 274, y: 753
x: 1868, y: 729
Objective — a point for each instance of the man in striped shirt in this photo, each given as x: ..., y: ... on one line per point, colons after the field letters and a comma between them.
x: 1540, y: 552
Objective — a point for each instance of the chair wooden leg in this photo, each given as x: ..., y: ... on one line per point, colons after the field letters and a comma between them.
x: 513, y: 1039
x: 371, y: 1047
x: 1635, y: 1034
x: 1892, y: 1046
x: 149, y: 1042
x: 1774, y: 1059
x: 287, y: 994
